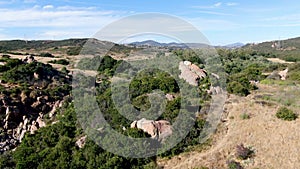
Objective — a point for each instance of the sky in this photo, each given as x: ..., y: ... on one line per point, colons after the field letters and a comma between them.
x: 220, y: 21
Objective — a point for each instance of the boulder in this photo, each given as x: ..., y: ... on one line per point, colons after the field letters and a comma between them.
x: 191, y: 73
x: 40, y: 122
x: 54, y: 108
x: 147, y: 126
x: 157, y: 129
x: 36, y: 76
x: 33, y: 127
x: 170, y: 97
x: 81, y: 142
x: 22, y: 135
x: 24, y: 98
x: 36, y: 105
x: 283, y: 74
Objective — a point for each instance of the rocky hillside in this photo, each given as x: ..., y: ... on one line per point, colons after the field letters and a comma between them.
x: 30, y: 94
x: 40, y: 129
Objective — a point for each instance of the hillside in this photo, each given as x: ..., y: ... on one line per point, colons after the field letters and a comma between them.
x: 274, y: 141
x: 288, y: 49
x: 41, y: 126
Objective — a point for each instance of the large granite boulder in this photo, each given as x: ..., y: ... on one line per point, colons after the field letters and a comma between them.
x: 191, y: 73
x: 157, y: 129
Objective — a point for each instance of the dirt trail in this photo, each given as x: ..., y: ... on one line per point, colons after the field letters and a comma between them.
x: 276, y: 142
x: 277, y: 60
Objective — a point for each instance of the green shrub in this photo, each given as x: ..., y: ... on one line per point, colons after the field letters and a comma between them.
x: 243, y: 152
x: 60, y: 61
x: 47, y: 55
x: 245, y: 116
x: 73, y: 51
x: 234, y: 165
x: 286, y: 114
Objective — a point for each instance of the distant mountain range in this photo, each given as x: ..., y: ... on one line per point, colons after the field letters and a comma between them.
x: 153, y: 43
x: 235, y: 45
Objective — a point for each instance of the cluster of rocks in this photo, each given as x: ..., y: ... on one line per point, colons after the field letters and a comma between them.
x: 21, y: 117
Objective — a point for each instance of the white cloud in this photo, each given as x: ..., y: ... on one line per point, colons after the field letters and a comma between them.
x: 217, y: 4
x: 231, y: 4
x: 61, y: 22
x: 75, y: 8
x: 48, y: 7
x: 60, y: 34
x: 215, y: 13
x: 36, y: 17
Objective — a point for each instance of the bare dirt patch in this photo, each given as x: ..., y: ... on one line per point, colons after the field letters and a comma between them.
x: 277, y: 60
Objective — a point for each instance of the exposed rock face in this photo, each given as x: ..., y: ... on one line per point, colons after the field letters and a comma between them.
x: 283, y: 74
x: 40, y: 122
x: 81, y: 142
x: 22, y: 112
x: 274, y: 76
x: 191, y: 73
x: 33, y: 127
x: 54, y: 108
x: 16, y: 121
x: 157, y: 129
x: 215, y: 90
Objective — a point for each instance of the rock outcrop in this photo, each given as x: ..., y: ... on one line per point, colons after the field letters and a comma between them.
x: 21, y: 117
x: 283, y: 74
x: 215, y: 90
x: 22, y: 112
x: 191, y: 73
x: 157, y: 129
x: 81, y: 142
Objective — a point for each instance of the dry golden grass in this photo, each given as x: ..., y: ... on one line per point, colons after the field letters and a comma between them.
x: 276, y: 142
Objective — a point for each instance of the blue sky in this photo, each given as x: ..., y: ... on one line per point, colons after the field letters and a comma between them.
x: 221, y: 21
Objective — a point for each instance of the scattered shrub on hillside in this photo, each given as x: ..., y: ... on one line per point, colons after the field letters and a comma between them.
x: 73, y: 51
x: 65, y: 70
x: 294, y: 72
x: 6, y: 56
x: 245, y: 116
x: 237, y: 88
x: 60, y: 61
x: 234, y: 165
x: 243, y: 152
x: 49, y: 55
x: 286, y: 114
x: 103, y: 64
